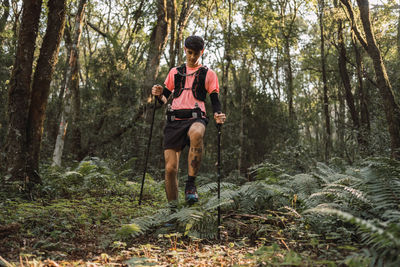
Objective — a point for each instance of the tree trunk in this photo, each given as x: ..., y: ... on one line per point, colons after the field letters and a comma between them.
x: 158, y: 40
x: 289, y: 78
x: 186, y: 11
x: 172, y: 19
x: 346, y: 80
x: 240, y: 82
x: 277, y: 75
x: 391, y: 106
x: 3, y: 20
x: 19, y: 91
x: 245, y: 77
x: 328, y: 144
x: 341, y: 124
x: 365, y: 126
x: 398, y: 35
x: 75, y: 133
x: 228, y: 58
x: 74, y: 57
x: 41, y: 82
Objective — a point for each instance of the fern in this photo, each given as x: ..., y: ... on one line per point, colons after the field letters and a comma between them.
x: 382, y: 183
x: 302, y: 185
x: 200, y: 219
x: 207, y: 188
x: 372, y: 195
x: 327, y: 175
x: 384, y: 243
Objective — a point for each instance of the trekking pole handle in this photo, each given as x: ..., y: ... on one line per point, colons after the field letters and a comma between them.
x: 219, y: 124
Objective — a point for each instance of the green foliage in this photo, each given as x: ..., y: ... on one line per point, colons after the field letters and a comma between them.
x: 200, y: 220
x: 368, y: 200
x: 75, y: 207
x: 275, y: 256
x: 364, y: 205
x: 93, y: 177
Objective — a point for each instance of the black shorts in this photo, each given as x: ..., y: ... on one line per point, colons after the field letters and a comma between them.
x: 176, y: 133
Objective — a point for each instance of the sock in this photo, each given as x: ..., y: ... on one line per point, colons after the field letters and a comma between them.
x: 190, y: 181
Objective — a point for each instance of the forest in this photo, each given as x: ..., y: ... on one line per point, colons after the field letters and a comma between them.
x: 304, y: 172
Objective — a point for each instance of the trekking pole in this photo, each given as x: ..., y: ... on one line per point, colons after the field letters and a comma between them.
x: 147, y: 152
x: 219, y: 178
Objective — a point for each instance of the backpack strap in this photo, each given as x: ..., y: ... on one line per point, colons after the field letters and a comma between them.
x: 198, y: 87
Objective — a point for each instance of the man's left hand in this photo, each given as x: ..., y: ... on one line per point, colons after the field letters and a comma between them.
x: 219, y: 118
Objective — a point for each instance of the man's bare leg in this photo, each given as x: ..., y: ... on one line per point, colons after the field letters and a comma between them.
x: 196, y: 134
x: 171, y: 173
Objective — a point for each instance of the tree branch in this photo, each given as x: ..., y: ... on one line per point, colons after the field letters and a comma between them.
x: 354, y: 26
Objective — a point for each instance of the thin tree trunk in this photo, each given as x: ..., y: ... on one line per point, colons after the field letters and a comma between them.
x: 289, y: 78
x: 239, y: 84
x: 228, y: 58
x: 328, y: 141
x: 398, y: 35
x: 41, y: 82
x: 19, y: 92
x: 243, y: 96
x: 3, y: 20
x: 59, y: 100
x: 16, y: 26
x: 172, y: 19
x: 341, y: 123
x: 75, y: 133
x: 365, y: 126
x: 62, y: 131
x: 346, y: 80
x: 277, y: 65
x: 186, y: 11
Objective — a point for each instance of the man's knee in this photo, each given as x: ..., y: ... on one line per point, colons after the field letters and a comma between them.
x: 171, y: 168
x: 196, y: 134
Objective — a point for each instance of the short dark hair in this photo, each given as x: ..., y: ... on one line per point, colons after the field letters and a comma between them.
x: 195, y: 43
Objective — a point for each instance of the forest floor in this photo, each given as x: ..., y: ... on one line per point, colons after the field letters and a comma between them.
x: 76, y: 217
x: 81, y: 232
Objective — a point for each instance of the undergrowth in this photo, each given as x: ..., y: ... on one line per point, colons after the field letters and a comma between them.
x: 335, y: 214
x: 75, y: 211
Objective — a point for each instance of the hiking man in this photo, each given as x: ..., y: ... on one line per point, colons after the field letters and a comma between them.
x: 186, y: 120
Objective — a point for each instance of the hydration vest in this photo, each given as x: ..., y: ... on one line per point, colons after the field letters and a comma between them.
x: 199, y: 83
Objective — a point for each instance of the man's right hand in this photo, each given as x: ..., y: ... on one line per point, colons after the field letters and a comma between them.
x: 157, y: 90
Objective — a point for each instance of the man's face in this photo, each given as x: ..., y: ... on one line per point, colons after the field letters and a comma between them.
x: 192, y: 56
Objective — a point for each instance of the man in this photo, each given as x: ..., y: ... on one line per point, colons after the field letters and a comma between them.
x: 186, y: 121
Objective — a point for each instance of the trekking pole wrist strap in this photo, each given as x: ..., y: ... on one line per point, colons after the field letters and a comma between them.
x: 165, y: 93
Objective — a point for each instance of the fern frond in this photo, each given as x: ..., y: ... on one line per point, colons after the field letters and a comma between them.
x: 342, y: 191
x: 303, y: 185
x: 392, y: 216
x: 381, y: 183
x: 376, y: 234
x: 347, y: 217
x: 207, y: 188
x: 187, y: 214
x: 326, y: 174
